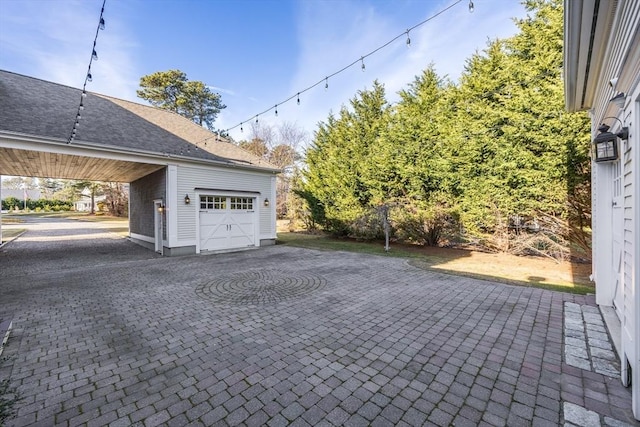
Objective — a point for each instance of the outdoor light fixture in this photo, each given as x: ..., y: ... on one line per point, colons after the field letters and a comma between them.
x: 266, y: 203
x: 619, y: 100
x: 187, y: 200
x: 605, y: 145
x: 161, y: 208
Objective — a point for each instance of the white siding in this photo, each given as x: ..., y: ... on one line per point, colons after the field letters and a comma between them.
x: 615, y: 54
x: 192, y: 177
x: 627, y: 168
x: 627, y: 226
x: 620, y: 60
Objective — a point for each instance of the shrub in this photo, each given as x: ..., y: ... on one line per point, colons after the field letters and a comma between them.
x: 367, y: 226
x: 429, y: 226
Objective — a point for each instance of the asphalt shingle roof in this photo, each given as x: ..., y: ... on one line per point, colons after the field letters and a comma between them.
x: 40, y: 108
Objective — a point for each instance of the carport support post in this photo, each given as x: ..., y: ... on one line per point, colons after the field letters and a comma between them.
x: 171, y: 216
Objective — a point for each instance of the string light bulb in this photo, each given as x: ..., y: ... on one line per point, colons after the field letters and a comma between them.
x: 94, y: 55
x: 241, y: 130
x: 471, y: 6
x: 408, y: 39
x: 256, y: 118
x: 326, y: 83
x: 362, y: 60
x: 276, y: 107
x: 89, y: 77
x: 298, y: 98
x: 102, y: 23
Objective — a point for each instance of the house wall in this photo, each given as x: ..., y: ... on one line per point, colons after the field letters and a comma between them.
x: 191, y: 177
x: 141, y: 196
x: 616, y: 186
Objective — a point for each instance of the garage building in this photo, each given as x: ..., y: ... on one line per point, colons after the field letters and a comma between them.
x: 191, y: 191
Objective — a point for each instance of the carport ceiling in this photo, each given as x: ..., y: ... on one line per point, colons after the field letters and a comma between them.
x: 67, y: 166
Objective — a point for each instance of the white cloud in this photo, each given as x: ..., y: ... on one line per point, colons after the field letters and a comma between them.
x: 229, y: 92
x: 335, y: 34
x: 53, y: 41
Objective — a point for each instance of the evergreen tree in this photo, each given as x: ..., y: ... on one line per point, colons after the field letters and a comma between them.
x: 171, y: 90
x: 496, y: 151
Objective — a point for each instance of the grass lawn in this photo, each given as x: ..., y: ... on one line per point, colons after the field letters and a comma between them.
x: 14, y: 230
x: 10, y: 233
x: 528, y: 271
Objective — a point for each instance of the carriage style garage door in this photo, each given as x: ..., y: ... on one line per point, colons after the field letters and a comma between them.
x: 226, y: 222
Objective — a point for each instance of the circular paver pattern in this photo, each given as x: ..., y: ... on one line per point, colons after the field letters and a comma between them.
x: 260, y: 287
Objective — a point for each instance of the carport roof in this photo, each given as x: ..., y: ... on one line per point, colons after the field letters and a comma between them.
x: 31, y: 107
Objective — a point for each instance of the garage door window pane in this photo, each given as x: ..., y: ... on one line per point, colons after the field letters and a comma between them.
x: 212, y: 202
x: 242, y: 203
x: 219, y: 203
x: 206, y: 202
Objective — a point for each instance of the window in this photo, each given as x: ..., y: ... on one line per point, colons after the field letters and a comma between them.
x: 213, y: 202
x: 242, y: 203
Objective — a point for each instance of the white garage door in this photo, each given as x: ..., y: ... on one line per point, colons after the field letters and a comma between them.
x: 226, y: 222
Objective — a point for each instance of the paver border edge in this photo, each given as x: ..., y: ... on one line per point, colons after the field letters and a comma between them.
x: 5, y: 326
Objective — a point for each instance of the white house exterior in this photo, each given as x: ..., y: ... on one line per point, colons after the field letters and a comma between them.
x: 602, y: 61
x: 190, y: 191
x: 84, y: 204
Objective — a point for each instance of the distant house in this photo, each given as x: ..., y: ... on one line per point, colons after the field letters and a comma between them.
x: 602, y: 75
x: 84, y: 204
x: 190, y: 190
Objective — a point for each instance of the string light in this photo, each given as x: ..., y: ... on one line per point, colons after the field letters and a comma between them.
x: 361, y: 60
x: 276, y: 107
x: 471, y: 6
x: 88, y: 76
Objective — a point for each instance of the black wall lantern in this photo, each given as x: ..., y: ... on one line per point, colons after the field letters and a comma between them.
x: 187, y: 200
x: 605, y: 145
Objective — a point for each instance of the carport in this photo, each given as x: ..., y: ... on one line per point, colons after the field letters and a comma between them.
x: 23, y: 155
x: 165, y: 158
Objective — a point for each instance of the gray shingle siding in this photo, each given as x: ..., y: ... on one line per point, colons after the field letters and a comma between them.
x: 142, y: 193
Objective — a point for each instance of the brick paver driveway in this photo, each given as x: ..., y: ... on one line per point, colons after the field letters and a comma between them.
x: 110, y: 334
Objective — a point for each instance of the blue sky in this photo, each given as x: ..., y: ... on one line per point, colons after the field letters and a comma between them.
x: 254, y: 53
